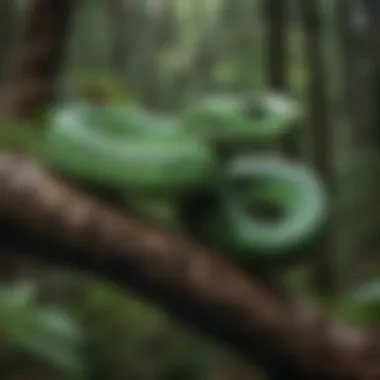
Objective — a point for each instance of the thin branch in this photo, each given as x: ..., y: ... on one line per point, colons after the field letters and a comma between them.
x: 45, y: 216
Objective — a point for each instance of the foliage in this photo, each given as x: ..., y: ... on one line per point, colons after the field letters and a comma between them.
x: 362, y: 305
x: 127, y: 337
x: 42, y: 333
x: 89, y: 83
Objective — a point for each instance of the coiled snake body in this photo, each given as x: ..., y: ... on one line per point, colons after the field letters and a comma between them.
x: 127, y: 148
x: 99, y: 145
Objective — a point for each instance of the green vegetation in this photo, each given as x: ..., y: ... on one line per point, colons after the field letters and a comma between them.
x: 156, y: 61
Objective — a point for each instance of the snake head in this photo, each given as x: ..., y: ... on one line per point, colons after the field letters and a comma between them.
x: 254, y: 117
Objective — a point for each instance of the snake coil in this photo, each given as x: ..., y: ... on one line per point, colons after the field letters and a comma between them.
x: 291, y: 187
x: 127, y: 148
x: 104, y: 147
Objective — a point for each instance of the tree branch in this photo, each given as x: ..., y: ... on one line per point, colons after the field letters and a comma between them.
x: 43, y: 215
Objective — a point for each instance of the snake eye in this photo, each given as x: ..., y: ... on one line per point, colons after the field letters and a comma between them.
x: 254, y: 111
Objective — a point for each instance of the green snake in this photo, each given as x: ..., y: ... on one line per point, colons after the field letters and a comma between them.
x: 130, y: 149
x: 299, y: 198
x: 114, y: 147
x: 255, y: 117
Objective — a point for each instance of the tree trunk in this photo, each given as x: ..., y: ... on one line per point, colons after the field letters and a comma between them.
x: 277, y: 60
x: 31, y: 84
x: 322, y: 136
x: 7, y: 28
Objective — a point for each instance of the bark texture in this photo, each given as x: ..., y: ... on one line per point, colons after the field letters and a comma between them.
x: 43, y: 216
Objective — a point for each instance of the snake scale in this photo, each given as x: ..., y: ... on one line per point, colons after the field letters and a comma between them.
x: 132, y: 150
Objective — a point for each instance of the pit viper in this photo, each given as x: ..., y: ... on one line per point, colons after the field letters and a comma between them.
x: 131, y: 149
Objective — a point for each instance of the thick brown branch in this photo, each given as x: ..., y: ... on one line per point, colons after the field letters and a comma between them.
x: 40, y: 213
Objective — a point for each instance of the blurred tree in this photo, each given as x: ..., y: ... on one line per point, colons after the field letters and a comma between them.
x: 277, y: 13
x: 278, y: 23
x: 36, y: 61
x: 196, y: 76
x: 7, y: 22
x: 120, y: 23
x: 321, y: 129
x: 357, y: 27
